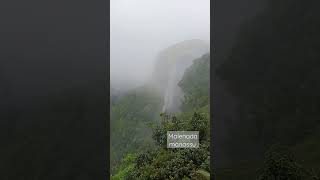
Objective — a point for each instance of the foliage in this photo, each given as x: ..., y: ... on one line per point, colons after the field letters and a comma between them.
x: 130, y: 116
x: 162, y: 163
x: 127, y: 166
x: 196, y: 84
x: 158, y: 162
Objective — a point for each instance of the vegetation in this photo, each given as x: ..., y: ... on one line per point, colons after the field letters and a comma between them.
x: 158, y: 162
x: 196, y: 84
x: 130, y: 115
x: 162, y: 163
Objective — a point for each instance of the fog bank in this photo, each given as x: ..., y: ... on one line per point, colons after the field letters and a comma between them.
x: 140, y: 29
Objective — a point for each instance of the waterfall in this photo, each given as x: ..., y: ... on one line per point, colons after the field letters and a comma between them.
x: 173, y: 94
x: 170, y: 91
x: 170, y: 66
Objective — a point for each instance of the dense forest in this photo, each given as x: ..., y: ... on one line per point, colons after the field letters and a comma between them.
x: 273, y: 72
x: 139, y: 120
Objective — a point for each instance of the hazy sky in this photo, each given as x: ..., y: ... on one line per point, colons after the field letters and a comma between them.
x: 142, y: 28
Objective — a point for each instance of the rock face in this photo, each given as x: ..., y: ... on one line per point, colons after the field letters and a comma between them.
x: 170, y: 66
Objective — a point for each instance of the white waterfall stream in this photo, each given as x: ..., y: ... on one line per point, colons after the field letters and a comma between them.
x: 170, y: 91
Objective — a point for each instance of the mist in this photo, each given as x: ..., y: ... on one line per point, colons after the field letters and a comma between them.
x: 140, y: 29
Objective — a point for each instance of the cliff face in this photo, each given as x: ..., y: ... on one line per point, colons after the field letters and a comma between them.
x: 170, y: 66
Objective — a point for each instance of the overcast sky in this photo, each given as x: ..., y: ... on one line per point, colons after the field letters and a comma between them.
x: 142, y: 28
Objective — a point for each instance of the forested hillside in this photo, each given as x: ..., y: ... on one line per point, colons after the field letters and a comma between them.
x: 130, y: 115
x: 156, y: 161
x: 133, y: 110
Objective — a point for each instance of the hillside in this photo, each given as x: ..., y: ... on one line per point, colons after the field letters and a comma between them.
x: 132, y: 111
x: 130, y: 115
x: 158, y: 162
x: 170, y: 65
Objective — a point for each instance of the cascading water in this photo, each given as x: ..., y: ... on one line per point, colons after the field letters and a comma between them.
x: 169, y: 69
x: 170, y: 92
x: 173, y: 95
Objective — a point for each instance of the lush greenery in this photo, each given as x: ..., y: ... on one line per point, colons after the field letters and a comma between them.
x: 158, y: 162
x: 162, y: 163
x: 196, y: 84
x: 130, y: 114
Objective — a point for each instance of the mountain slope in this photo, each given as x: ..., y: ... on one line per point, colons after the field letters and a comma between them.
x: 170, y: 65
x: 158, y: 162
x: 133, y: 110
